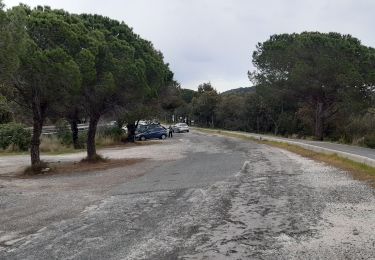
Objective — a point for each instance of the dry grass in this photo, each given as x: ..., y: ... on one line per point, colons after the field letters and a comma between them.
x: 48, y: 145
x: 104, y: 141
x: 8, y: 152
x: 52, y: 145
x: 358, y: 170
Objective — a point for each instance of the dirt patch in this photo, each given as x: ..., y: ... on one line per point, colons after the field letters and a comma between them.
x: 130, y: 144
x: 82, y: 167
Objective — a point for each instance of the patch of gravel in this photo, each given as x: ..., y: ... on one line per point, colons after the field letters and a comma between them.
x: 290, y: 207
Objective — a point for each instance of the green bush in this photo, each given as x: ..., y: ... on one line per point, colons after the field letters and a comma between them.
x: 15, y: 136
x: 82, y: 139
x: 6, y: 115
x: 358, y: 129
x: 112, y: 132
x: 369, y: 141
x: 63, y: 132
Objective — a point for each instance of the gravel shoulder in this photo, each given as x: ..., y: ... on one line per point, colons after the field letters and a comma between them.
x: 198, y: 196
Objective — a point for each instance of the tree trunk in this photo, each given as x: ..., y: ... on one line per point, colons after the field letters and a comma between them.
x: 73, y: 120
x: 91, y: 147
x: 131, y: 131
x: 38, y: 119
x: 35, y: 141
x: 74, y: 129
x: 319, y: 121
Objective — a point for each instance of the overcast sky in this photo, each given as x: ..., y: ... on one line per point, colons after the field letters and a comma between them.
x: 212, y: 40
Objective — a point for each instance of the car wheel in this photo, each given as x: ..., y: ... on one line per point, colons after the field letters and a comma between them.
x: 163, y: 137
x: 143, y: 138
x: 187, y: 131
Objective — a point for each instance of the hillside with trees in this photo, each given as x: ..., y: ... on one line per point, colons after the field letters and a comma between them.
x: 239, y: 91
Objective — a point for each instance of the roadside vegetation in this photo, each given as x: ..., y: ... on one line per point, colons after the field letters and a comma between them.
x: 16, y: 139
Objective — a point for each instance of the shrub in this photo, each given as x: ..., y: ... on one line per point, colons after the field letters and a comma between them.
x: 82, y: 139
x: 15, y: 136
x: 63, y: 132
x: 6, y: 115
x: 112, y: 132
x: 369, y: 141
x: 356, y: 129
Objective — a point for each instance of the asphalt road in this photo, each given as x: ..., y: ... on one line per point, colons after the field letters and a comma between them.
x: 196, y: 196
x: 351, y: 149
x: 362, y: 151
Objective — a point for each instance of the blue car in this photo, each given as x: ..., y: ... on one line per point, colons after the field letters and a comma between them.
x: 154, y: 133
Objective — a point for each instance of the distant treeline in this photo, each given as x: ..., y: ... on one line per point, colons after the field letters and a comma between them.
x: 309, y: 84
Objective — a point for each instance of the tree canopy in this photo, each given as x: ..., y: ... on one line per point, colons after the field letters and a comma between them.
x: 322, y: 71
x: 62, y: 64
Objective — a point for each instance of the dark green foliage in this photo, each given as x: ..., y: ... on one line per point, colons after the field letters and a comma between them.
x: 6, y: 114
x: 355, y: 128
x: 171, y: 98
x: 204, y: 105
x: 230, y: 113
x: 82, y: 139
x: 118, y: 69
x: 63, y: 132
x: 187, y: 95
x: 324, y: 76
x: 14, y: 136
x: 45, y: 74
x: 369, y: 140
x: 61, y: 65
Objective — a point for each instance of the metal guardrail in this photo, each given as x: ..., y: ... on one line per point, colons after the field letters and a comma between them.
x: 50, y: 130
